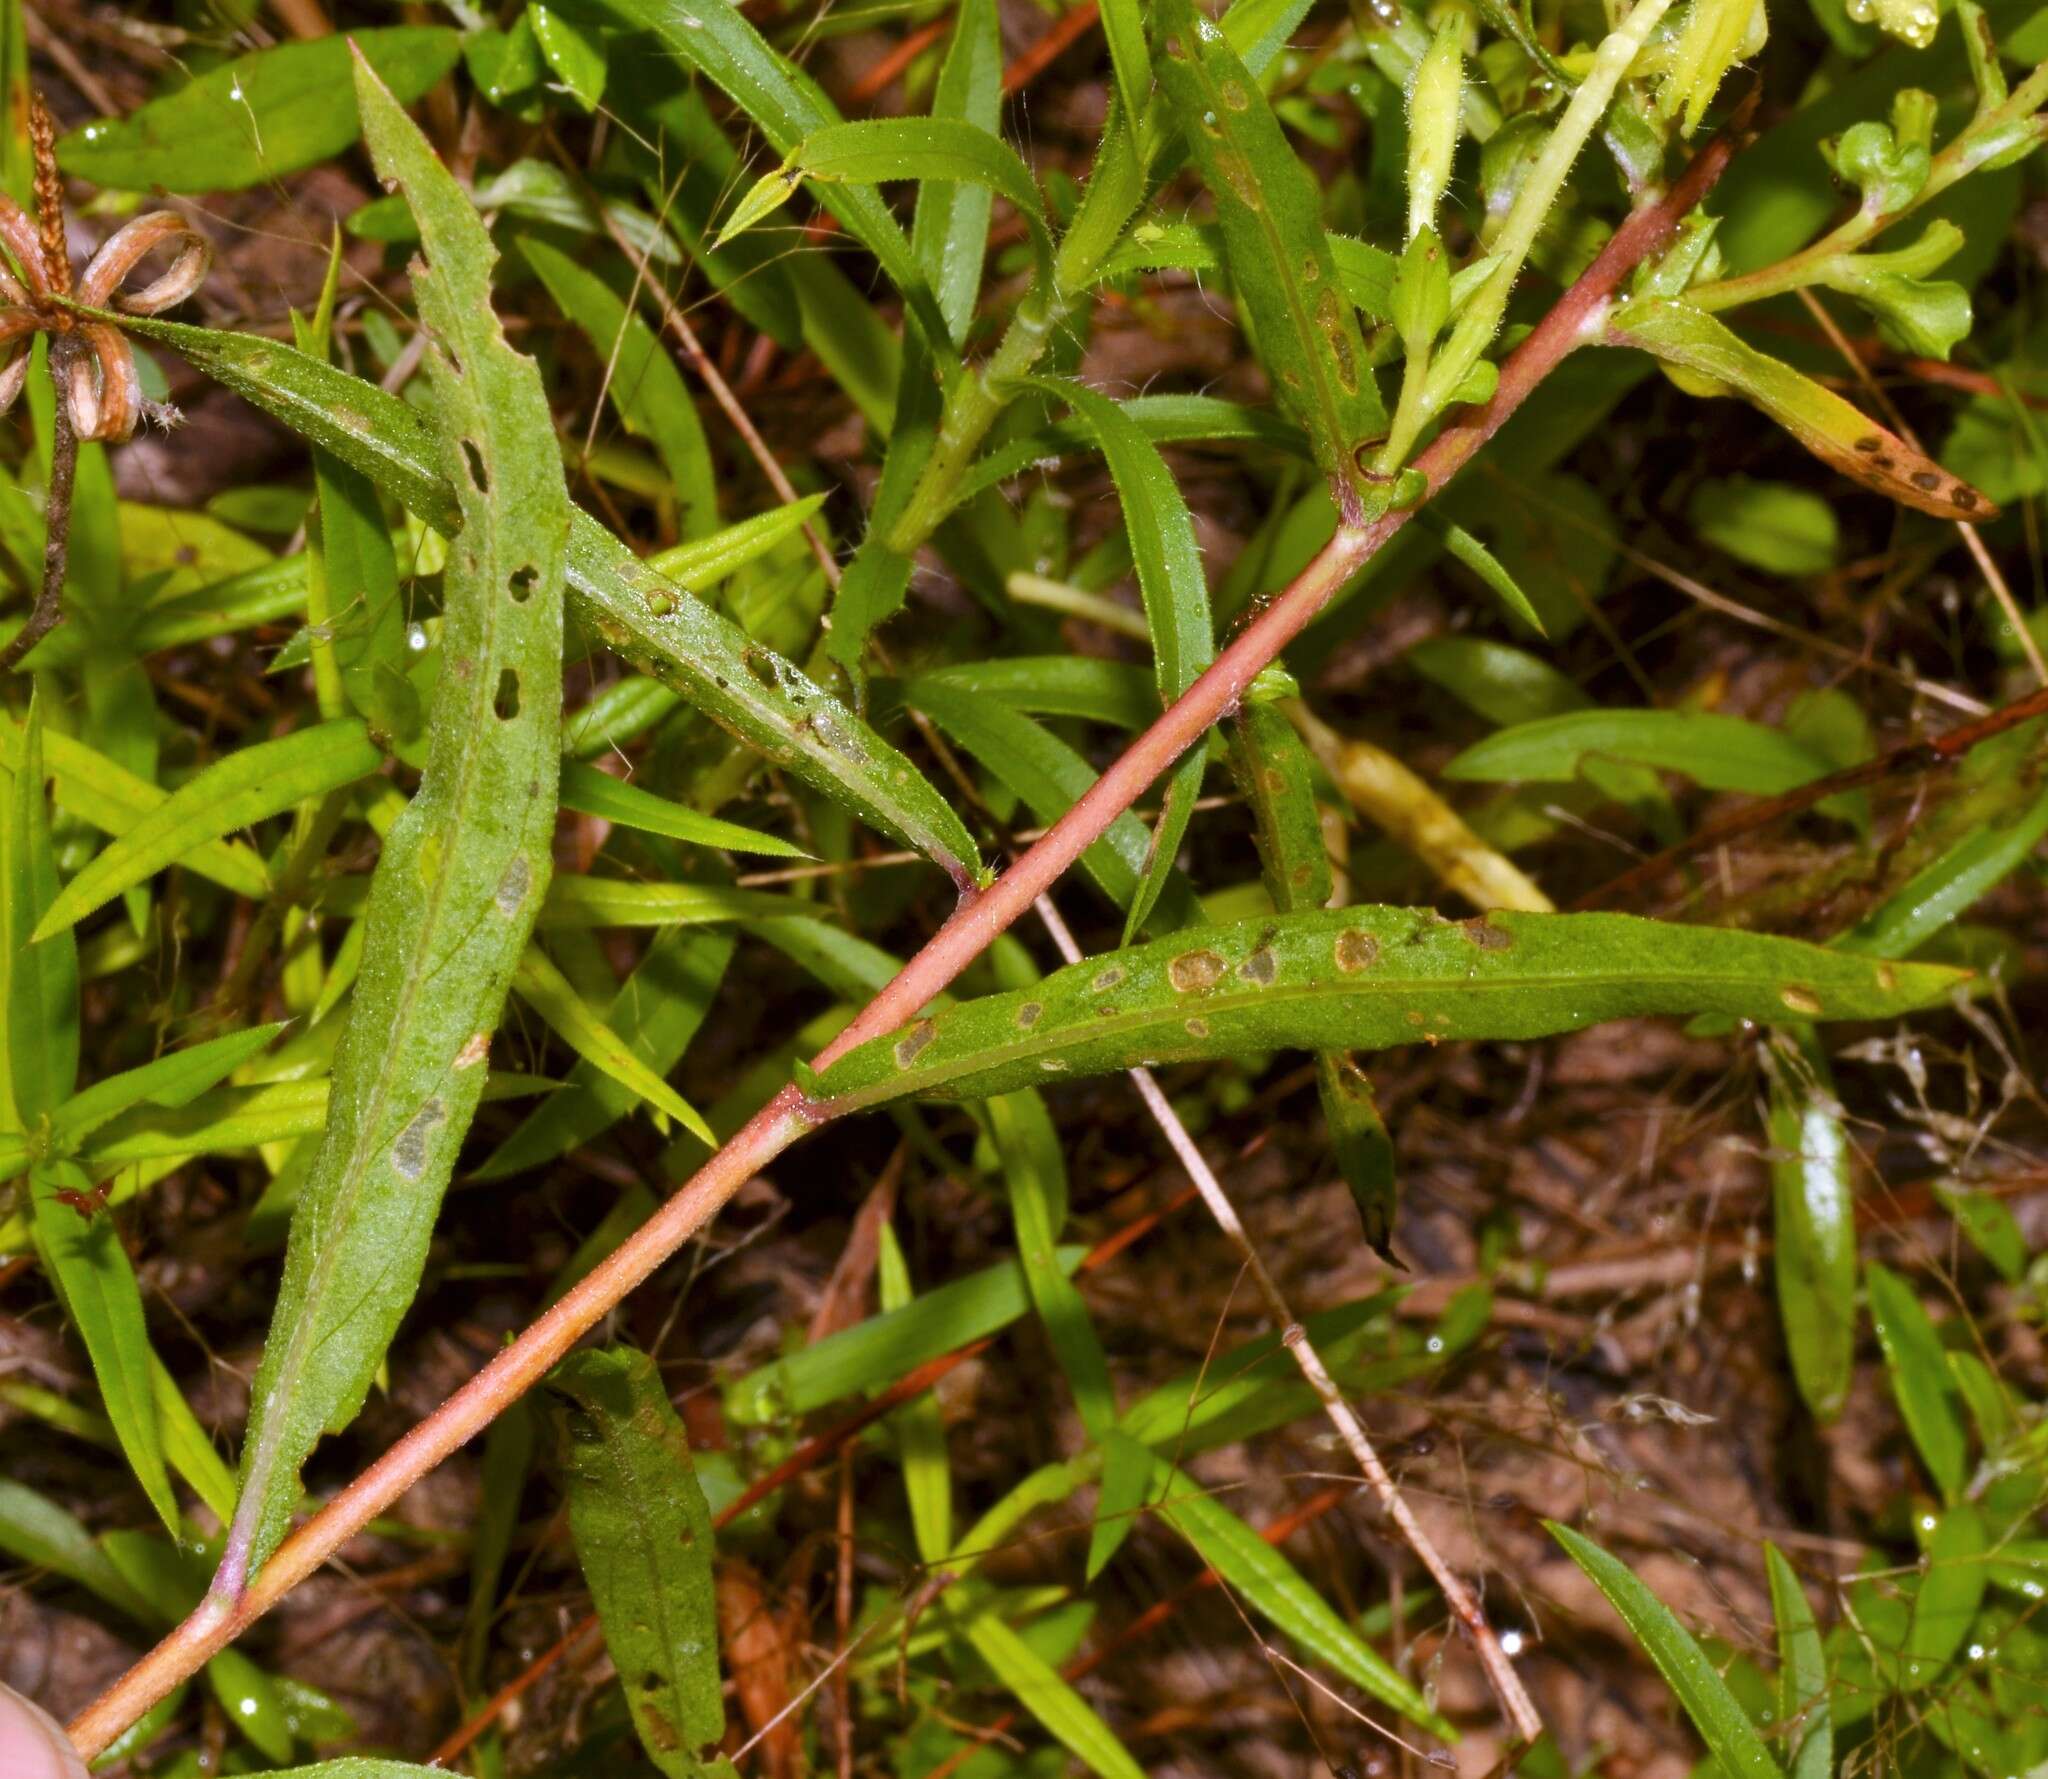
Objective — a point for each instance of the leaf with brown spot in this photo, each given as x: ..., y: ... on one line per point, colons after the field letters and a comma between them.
x: 1838, y: 434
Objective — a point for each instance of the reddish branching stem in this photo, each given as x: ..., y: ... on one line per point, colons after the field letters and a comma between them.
x: 1571, y: 322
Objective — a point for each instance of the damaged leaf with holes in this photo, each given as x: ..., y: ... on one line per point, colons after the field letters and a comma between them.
x: 461, y: 875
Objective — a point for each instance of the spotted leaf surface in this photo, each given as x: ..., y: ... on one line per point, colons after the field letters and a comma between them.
x: 1364, y: 978
x: 461, y: 875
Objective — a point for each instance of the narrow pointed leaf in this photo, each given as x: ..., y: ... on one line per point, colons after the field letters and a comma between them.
x: 257, y: 117
x: 1921, y: 1379
x: 1279, y: 257
x: 37, y: 1530
x: 949, y: 233
x: 591, y: 792
x: 1176, y: 596
x: 643, y: 1536
x: 715, y: 38
x: 643, y: 611
x: 1126, y: 1482
x: 550, y: 994
x: 1838, y: 434
x: 249, y: 785
x: 461, y: 874
x: 39, y: 1023
x: 1057, y: 1706
x: 1720, y: 753
x: 173, y: 1080
x: 1365, y: 978
x: 1804, y: 1705
x: 113, y: 799
x: 1035, y: 1176
x: 1813, y: 1223
x: 1268, y: 1583
x: 1721, y: 1721
x: 83, y: 1255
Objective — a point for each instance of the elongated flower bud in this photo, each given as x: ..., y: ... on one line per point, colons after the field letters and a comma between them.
x: 1433, y: 100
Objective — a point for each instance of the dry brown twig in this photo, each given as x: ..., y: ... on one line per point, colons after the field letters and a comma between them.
x: 1571, y: 322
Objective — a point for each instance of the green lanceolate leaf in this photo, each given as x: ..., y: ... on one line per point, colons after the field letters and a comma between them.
x: 1940, y: 891
x: 173, y: 1080
x: 656, y: 1013
x: 1126, y: 1482
x: 1813, y: 1222
x: 643, y: 1536
x: 257, y: 117
x: 1056, y: 1705
x: 1364, y: 978
x: 1176, y: 596
x: 1720, y: 753
x: 81, y: 1251
x: 1272, y: 769
x: 643, y: 611
x: 877, y: 150
x: 715, y: 38
x: 40, y: 976
x: 113, y: 799
x: 641, y: 379
x: 591, y: 792
x: 1840, y: 436
x: 949, y: 233
x: 1921, y: 1379
x: 1804, y: 1711
x: 1035, y: 1175
x: 1277, y: 1591
x: 1715, y: 1712
x: 248, y: 786
x: 356, y: 560
x: 1050, y: 777
x: 461, y: 875
x: 1280, y: 259
x: 550, y: 994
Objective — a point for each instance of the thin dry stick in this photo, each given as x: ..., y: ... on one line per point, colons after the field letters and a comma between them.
x: 1979, y: 550
x: 1575, y: 319
x: 1507, y: 1684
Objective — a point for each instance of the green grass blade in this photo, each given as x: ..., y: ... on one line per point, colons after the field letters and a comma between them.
x: 40, y: 1029
x: 1921, y: 1379
x: 657, y: 1012
x: 1364, y: 978
x: 919, y: 1425
x: 642, y: 611
x: 1126, y: 1482
x: 1035, y: 1177
x: 1942, y: 890
x: 1056, y: 1705
x: 37, y: 1530
x: 1722, y: 1723
x: 81, y: 1252
x: 1280, y: 259
x: 715, y: 38
x: 551, y: 994
x: 1276, y: 1590
x: 173, y: 1080
x: 1719, y: 753
x: 949, y: 231
x: 1804, y: 1712
x: 643, y: 1536
x: 249, y: 785
x: 1176, y: 596
x: 461, y: 874
x: 1813, y: 1222
x: 591, y: 792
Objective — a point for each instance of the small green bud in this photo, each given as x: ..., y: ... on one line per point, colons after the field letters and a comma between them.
x: 1272, y: 684
x: 1915, y: 314
x: 1717, y: 35
x: 1433, y: 100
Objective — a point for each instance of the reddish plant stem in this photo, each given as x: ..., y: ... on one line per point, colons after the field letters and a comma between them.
x: 973, y: 927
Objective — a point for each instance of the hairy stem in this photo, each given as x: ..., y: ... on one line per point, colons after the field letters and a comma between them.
x: 963, y: 938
